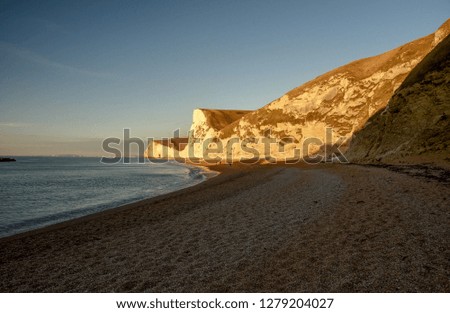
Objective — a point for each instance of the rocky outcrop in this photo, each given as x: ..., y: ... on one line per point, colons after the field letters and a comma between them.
x: 165, y: 148
x: 414, y: 127
x: 206, y: 124
x: 323, y: 112
x: 7, y: 160
x: 341, y: 100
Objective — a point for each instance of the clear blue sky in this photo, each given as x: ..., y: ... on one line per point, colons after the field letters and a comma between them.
x: 74, y: 72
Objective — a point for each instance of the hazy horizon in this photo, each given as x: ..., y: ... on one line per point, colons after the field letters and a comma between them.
x: 74, y: 74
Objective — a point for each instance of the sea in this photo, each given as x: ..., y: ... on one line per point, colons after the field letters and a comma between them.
x: 40, y: 191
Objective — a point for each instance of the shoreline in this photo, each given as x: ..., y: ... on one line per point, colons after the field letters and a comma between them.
x: 203, y: 171
x: 80, y: 219
x: 253, y: 228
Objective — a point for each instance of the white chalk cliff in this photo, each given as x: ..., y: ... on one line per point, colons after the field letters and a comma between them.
x: 206, y: 126
x: 341, y: 101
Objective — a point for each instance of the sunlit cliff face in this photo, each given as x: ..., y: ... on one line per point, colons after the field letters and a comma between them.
x: 327, y: 110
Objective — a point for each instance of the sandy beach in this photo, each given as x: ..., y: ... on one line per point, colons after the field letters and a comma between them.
x: 253, y: 228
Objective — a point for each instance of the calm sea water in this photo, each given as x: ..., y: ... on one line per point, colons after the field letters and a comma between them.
x: 39, y: 191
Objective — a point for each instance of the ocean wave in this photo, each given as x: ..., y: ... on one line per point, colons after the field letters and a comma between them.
x: 200, y: 172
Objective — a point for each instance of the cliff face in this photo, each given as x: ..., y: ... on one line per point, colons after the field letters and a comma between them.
x: 166, y: 148
x: 342, y: 99
x: 206, y: 124
x: 414, y: 127
x: 323, y: 112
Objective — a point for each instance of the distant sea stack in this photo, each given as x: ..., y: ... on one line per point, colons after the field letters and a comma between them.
x: 415, y: 125
x: 7, y: 160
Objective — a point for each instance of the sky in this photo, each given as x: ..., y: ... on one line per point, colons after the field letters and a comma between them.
x: 73, y: 73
